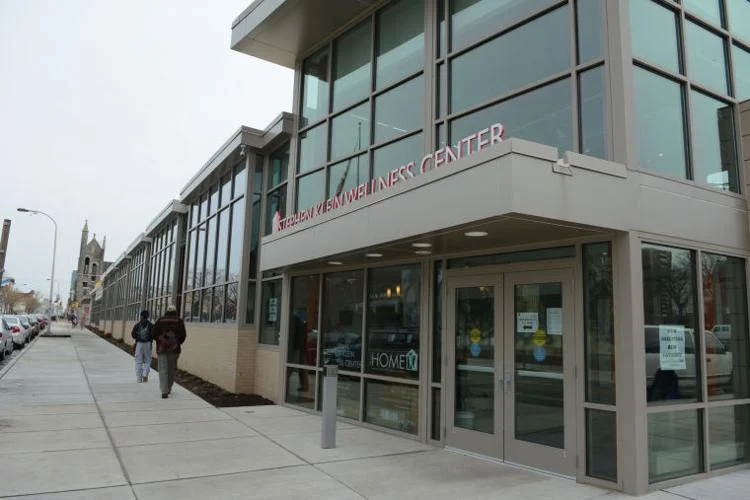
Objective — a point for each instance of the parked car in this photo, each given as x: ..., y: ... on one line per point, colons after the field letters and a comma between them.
x: 42, y: 322
x: 6, y: 339
x: 21, y: 332
x: 34, y: 324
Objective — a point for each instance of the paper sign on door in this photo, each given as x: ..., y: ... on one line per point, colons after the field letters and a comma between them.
x: 672, y: 347
x: 527, y: 322
x: 554, y: 321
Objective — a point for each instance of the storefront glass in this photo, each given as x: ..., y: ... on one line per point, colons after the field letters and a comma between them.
x: 392, y: 405
x: 343, y: 310
x: 303, y: 323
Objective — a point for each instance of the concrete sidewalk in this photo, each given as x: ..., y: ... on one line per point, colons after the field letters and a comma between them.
x: 75, y: 425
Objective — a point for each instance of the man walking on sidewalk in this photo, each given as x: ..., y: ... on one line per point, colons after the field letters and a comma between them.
x: 169, y: 334
x: 143, y: 334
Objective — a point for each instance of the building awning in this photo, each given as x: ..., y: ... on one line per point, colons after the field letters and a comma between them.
x: 279, y: 31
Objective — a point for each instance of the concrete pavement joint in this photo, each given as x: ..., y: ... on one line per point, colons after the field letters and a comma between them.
x: 93, y: 488
x: 315, y: 466
x: 220, y: 474
x: 232, y: 438
x: 106, y: 428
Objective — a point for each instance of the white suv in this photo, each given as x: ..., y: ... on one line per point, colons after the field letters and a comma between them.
x: 6, y: 339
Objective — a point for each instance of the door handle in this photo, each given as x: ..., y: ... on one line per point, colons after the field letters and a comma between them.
x: 508, y: 386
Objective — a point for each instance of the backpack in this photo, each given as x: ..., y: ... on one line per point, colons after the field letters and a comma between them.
x: 142, y: 334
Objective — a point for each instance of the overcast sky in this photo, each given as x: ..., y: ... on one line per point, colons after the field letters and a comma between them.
x: 107, y: 109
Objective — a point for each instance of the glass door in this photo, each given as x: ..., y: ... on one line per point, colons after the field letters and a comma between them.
x: 474, y: 411
x: 539, y: 352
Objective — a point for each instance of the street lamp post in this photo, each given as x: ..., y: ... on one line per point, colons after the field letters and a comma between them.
x: 54, y: 254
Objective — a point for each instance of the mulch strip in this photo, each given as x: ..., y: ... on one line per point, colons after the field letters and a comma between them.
x: 207, y: 391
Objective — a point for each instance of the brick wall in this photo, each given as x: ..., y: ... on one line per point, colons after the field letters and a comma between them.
x: 210, y: 352
x: 267, y: 373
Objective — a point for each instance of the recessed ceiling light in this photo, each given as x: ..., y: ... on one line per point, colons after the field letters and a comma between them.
x: 334, y: 263
x: 476, y: 234
x: 422, y: 252
x: 373, y: 255
x: 421, y: 245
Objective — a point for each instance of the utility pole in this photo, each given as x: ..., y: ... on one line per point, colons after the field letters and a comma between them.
x: 4, y: 246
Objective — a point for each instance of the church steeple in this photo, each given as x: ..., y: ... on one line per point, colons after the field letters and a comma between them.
x: 86, y: 227
x: 84, y: 244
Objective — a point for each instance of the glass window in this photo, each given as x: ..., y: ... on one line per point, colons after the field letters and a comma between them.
x: 226, y: 190
x: 352, y: 66
x: 601, y: 444
x: 200, y: 269
x: 392, y: 405
x: 270, y: 322
x: 312, y: 148
x: 235, y: 244
x: 341, y: 339
x: 397, y: 154
x: 350, y: 131
x: 210, y: 252
x: 739, y: 18
x: 709, y: 10
x: 592, y: 101
x: 714, y: 151
x: 314, y: 88
x: 435, y: 424
x: 437, y: 324
x: 275, y: 203
x: 741, y: 63
x: 400, y: 110
x: 214, y: 199
x: 393, y: 311
x: 206, y: 306
x: 278, y: 165
x: 400, y: 41
x: 440, y: 87
x: 221, y: 252
x: 480, y: 74
x: 653, y: 32
x: 659, y: 120
x: 347, y: 397
x: 706, y: 58
x: 204, y: 207
x: 727, y: 435
x: 674, y: 445
x: 472, y: 20
x: 725, y: 320
x: 218, y: 306
x: 311, y: 190
x: 254, y: 240
x: 240, y: 180
x: 303, y: 328
x: 599, y: 323
x: 348, y: 174
x: 300, y: 387
x: 543, y: 115
x: 670, y: 316
x: 590, y: 21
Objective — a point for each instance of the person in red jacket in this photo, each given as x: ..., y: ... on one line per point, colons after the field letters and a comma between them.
x: 169, y: 334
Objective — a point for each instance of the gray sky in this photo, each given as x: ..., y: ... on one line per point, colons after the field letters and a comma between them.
x: 107, y: 109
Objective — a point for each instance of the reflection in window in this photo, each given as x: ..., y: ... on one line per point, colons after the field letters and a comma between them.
x: 709, y: 10
x: 543, y: 115
x: 235, y: 244
x: 300, y: 387
x: 739, y: 18
x: 714, y: 151
x: 590, y: 22
x: 314, y: 100
x: 659, y: 124
x: 348, y: 174
x: 390, y: 118
x: 341, y: 329
x: 675, y: 445
x: 270, y: 314
x: 351, y: 66
x: 278, y: 166
x: 728, y: 436
x: 653, y: 34
x: 670, y: 317
x: 347, y: 397
x: 392, y: 405
x: 599, y: 323
x: 312, y: 148
x: 394, y: 155
x: 480, y: 75
x: 393, y: 312
x: 350, y: 131
x: 400, y: 41
x: 303, y: 323
x: 725, y: 322
x: 741, y: 65
x: 601, y: 444
x: 472, y: 20
x: 275, y: 202
x: 592, y: 115
x: 311, y: 190
x: 706, y: 57
x: 240, y: 183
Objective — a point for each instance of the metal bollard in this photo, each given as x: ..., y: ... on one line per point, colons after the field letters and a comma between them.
x: 328, y: 430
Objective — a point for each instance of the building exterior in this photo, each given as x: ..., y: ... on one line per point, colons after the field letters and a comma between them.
x: 519, y: 228
x: 91, y: 266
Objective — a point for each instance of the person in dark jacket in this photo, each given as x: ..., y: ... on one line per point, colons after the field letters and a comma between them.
x: 169, y: 334
x: 143, y: 335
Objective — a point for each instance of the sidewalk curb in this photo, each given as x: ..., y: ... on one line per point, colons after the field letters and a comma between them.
x: 13, y: 362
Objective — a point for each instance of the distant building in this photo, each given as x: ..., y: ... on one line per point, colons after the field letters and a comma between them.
x: 91, y: 266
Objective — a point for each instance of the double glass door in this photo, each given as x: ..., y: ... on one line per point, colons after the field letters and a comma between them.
x: 510, y: 368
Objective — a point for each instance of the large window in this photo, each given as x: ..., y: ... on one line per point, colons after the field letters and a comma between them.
x: 686, y: 86
x: 163, y: 268
x: 697, y: 363
x: 337, y: 145
x: 214, y: 249
x: 276, y: 182
x: 389, y: 303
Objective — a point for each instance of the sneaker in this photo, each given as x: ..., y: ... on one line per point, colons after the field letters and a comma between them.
x: 140, y: 379
x: 145, y: 378
x: 164, y: 395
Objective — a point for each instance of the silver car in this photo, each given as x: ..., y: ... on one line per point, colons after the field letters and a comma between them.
x: 20, y: 330
x: 6, y: 339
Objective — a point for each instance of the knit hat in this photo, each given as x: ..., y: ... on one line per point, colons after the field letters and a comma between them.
x: 144, y: 314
